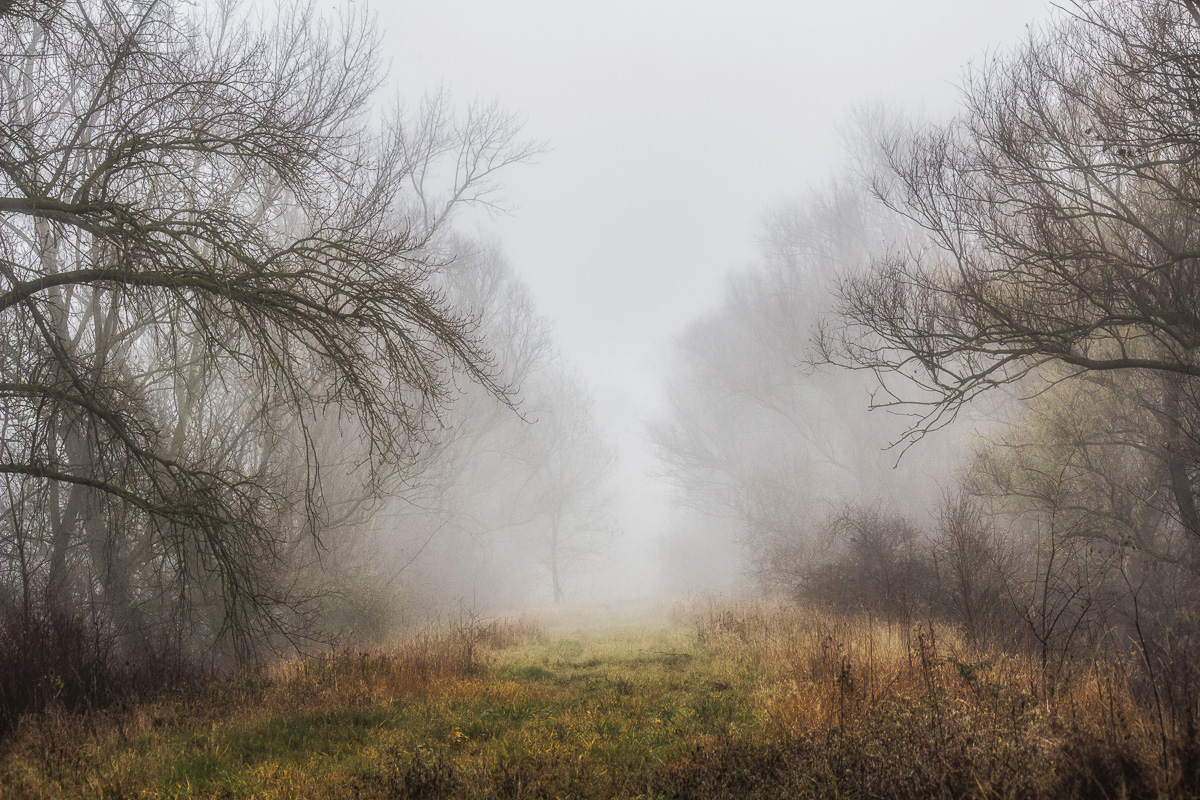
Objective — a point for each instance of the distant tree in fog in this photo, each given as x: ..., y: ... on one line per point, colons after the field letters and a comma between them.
x: 756, y: 434
x: 570, y: 467
x: 502, y: 500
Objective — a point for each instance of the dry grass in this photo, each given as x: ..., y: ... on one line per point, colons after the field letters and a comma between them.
x: 725, y: 702
x: 117, y: 751
x: 872, y: 709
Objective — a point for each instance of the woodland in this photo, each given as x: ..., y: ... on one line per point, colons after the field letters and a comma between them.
x: 264, y: 403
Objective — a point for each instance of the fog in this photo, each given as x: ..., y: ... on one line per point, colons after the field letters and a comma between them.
x: 326, y: 318
x: 858, y: 344
x: 674, y: 129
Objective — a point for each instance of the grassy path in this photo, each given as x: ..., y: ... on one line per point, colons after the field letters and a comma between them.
x: 749, y: 703
x: 587, y: 715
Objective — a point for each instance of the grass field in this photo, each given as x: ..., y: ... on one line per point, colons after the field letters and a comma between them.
x: 738, y: 702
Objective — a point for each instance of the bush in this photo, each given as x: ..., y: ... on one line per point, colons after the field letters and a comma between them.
x: 874, y: 563
x: 52, y: 660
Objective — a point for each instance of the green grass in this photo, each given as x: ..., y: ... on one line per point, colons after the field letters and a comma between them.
x: 772, y: 706
x: 595, y: 716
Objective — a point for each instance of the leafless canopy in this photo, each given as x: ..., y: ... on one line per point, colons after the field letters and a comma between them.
x: 206, y: 243
x: 1062, y: 214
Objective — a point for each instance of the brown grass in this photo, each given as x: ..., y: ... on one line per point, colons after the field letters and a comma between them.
x: 51, y: 753
x: 869, y: 708
x: 752, y: 701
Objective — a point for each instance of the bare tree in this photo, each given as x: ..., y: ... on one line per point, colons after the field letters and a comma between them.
x: 570, y: 466
x: 1093, y: 554
x: 970, y: 563
x: 207, y: 246
x: 501, y: 501
x: 1063, y: 228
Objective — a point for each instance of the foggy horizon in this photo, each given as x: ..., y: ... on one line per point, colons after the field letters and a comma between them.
x: 673, y: 129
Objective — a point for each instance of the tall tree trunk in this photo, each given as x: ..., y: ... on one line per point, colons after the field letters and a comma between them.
x: 554, y: 565
x: 1176, y: 447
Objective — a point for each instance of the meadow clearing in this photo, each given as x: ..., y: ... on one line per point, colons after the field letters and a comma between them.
x: 707, y: 701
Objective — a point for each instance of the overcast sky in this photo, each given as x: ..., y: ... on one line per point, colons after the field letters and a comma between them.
x: 674, y: 125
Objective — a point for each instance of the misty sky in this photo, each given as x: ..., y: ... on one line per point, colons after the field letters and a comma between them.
x: 673, y: 126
